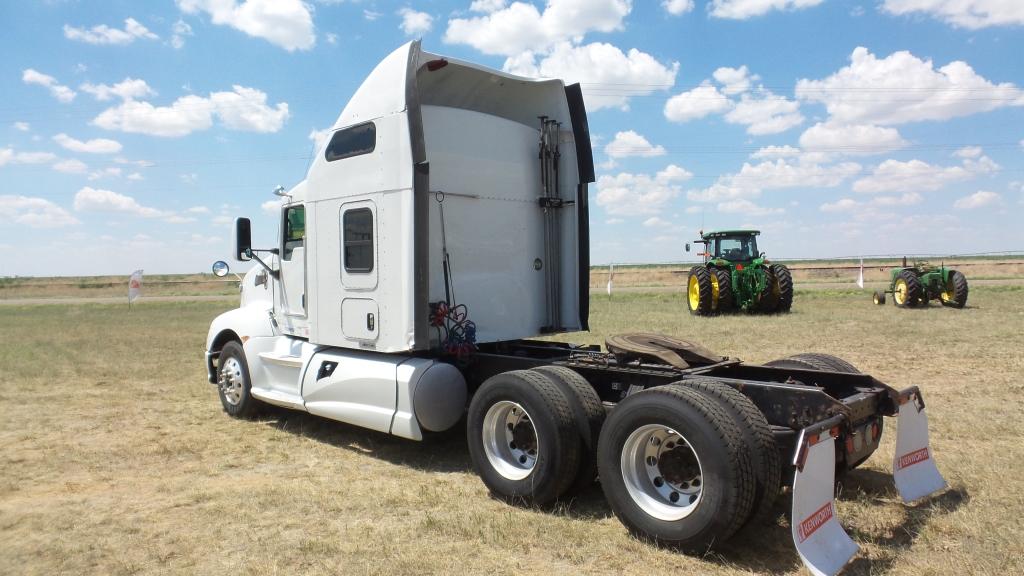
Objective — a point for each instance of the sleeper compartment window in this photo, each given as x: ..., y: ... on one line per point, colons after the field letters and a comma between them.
x: 358, y: 239
x: 354, y: 141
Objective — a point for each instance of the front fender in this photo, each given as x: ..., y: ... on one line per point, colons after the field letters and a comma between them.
x: 239, y: 324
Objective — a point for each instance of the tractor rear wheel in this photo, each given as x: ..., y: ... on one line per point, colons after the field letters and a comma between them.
x: 907, y: 291
x: 725, y: 301
x: 955, y: 293
x: 675, y: 468
x: 768, y: 299
x: 699, y: 291
x: 782, y: 288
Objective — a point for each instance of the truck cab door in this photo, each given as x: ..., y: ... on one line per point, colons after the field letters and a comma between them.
x: 293, y: 316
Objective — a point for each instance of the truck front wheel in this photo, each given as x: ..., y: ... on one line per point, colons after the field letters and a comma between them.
x: 522, y: 437
x: 233, y: 382
x: 675, y: 468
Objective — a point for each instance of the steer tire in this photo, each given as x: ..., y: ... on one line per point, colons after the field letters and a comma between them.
x: 631, y: 482
x: 509, y: 470
x: 784, y: 284
x: 699, y: 291
x: 588, y: 416
x: 957, y: 288
x: 764, y: 451
x: 726, y: 302
x: 234, y: 386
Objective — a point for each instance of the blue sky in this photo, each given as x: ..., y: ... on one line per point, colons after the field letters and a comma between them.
x: 131, y: 134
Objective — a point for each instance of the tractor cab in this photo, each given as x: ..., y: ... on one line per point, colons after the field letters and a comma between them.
x: 730, y: 245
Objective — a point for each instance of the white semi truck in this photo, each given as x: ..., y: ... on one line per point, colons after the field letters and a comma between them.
x: 440, y: 230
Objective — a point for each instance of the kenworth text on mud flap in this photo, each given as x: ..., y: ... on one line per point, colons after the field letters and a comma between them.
x: 440, y: 229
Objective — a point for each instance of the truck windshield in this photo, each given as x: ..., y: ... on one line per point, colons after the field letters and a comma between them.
x: 736, y: 248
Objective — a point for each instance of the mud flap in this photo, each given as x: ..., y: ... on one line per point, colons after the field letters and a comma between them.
x: 820, y: 540
x: 913, y: 467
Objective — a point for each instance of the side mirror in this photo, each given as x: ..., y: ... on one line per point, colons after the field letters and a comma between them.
x: 243, y: 240
x: 221, y: 268
x: 687, y: 246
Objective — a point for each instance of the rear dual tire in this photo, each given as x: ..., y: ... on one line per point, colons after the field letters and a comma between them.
x: 676, y: 468
x: 955, y: 293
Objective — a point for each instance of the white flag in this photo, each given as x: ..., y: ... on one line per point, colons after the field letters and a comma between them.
x: 860, y: 275
x: 611, y: 273
x: 134, y: 286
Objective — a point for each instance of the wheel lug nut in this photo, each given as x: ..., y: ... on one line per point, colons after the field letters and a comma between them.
x: 658, y: 481
x: 674, y: 497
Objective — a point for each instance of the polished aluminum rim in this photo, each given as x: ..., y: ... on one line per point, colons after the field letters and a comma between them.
x: 510, y: 440
x: 662, y: 472
x: 231, y: 382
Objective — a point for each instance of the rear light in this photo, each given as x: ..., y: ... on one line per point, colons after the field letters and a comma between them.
x: 435, y: 65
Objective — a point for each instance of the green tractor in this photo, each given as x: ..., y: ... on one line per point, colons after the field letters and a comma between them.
x: 913, y: 286
x: 735, y: 276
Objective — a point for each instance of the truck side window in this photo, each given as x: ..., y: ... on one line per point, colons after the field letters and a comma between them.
x: 294, y: 230
x: 357, y: 227
x: 354, y: 141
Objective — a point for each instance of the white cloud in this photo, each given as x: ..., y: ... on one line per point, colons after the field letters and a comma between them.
x: 104, y: 34
x: 319, y: 138
x: 916, y: 175
x: 743, y: 206
x: 488, y: 6
x: 968, y: 152
x: 9, y: 156
x: 284, y: 23
x: 841, y: 205
x: 109, y: 172
x: 697, y: 103
x: 135, y: 176
x: 608, y: 76
x: 766, y: 114
x: 783, y: 173
x: 243, y: 109
x: 415, y: 23
x: 331, y: 38
x: 903, y: 88
x: 521, y: 27
x: 60, y: 92
x: 34, y: 212
x: 94, y: 146
x: 852, y: 140
x: 627, y: 194
x: 734, y: 80
x: 98, y: 200
x: 971, y: 14
x: 71, y: 166
x: 743, y: 9
x: 752, y: 179
x: 776, y: 152
x: 979, y: 199
x: 677, y: 7
x: 371, y: 15
x: 180, y: 30
x: 246, y: 109
x: 656, y: 222
x: 629, y: 143
x: 271, y: 207
x: 22, y: 126
x: 127, y: 89
x: 198, y: 210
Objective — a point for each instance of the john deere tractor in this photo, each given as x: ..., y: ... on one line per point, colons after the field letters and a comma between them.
x: 913, y: 286
x: 735, y: 276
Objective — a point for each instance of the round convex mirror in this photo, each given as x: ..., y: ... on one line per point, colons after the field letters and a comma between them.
x: 220, y: 268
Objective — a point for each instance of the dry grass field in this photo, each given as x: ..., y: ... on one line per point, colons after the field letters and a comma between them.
x: 117, y: 458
